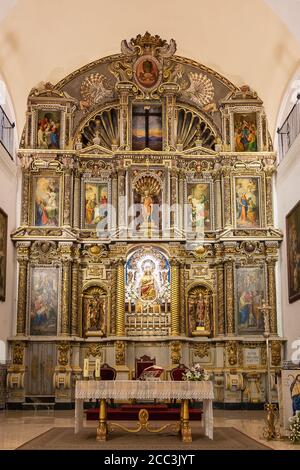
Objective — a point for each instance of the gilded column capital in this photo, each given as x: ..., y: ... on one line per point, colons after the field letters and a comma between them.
x: 272, y: 248
x: 23, y: 251
x: 65, y: 251
x: 216, y: 173
x: 230, y: 250
x: 170, y: 88
x: 174, y: 262
x: 226, y: 171
x: 182, y: 174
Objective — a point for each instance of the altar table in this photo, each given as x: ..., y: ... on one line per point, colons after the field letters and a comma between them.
x: 145, y: 390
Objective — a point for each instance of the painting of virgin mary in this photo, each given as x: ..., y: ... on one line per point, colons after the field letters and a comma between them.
x: 247, y: 202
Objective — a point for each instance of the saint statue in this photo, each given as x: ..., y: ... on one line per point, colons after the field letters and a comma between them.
x: 200, y: 310
x: 147, y: 207
x: 148, y: 290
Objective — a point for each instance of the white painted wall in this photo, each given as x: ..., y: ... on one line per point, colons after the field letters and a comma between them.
x: 8, y: 202
x: 9, y: 195
x: 288, y: 194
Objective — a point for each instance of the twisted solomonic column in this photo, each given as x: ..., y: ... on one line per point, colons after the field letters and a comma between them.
x: 175, y: 305
x: 120, y: 304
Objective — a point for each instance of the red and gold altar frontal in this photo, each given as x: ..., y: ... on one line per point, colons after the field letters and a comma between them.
x: 146, y: 226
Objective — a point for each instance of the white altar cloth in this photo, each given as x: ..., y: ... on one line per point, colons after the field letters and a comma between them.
x: 145, y: 390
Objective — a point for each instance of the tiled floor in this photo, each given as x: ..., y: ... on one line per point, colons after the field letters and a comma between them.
x: 18, y: 427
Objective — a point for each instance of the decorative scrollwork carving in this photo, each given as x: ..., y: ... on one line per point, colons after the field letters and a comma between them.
x: 201, y: 350
x: 232, y: 353
x: 94, y: 350
x: 18, y: 353
x: 175, y: 352
x: 120, y: 352
x: 63, y: 354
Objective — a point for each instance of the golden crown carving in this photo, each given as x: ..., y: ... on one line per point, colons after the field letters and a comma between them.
x: 148, y: 44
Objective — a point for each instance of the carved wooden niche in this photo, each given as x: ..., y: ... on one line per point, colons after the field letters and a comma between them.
x: 94, y: 311
x: 199, y: 307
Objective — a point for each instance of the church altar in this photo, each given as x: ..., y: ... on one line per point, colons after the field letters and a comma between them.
x: 145, y: 390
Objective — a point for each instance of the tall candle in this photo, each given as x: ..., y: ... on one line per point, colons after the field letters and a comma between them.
x: 97, y: 368
x: 86, y: 368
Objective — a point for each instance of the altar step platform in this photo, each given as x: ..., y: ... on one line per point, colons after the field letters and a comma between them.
x: 156, y: 412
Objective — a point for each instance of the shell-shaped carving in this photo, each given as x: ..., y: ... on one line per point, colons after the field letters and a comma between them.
x: 147, y: 185
x: 102, y: 129
x: 201, y: 89
x: 94, y: 89
x: 191, y: 127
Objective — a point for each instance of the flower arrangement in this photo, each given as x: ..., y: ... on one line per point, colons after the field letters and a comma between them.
x: 196, y: 373
x: 295, y: 429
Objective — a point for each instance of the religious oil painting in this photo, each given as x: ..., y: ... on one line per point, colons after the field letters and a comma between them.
x: 146, y: 127
x: 245, y: 132
x: 199, y: 216
x: 43, y: 302
x: 250, y: 292
x: 3, y: 247
x: 147, y: 72
x: 46, y: 201
x: 247, y: 192
x: 293, y: 252
x: 48, y: 129
x: 96, y: 205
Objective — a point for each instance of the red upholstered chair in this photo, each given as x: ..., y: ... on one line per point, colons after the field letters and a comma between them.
x: 178, y: 372
x: 142, y: 363
x: 107, y: 372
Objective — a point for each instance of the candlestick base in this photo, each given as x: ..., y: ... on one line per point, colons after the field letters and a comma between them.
x: 272, y: 414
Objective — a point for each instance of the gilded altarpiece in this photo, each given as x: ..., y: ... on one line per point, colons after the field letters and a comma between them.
x: 146, y: 225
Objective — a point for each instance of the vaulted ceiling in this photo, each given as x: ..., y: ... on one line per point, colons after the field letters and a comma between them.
x: 250, y: 42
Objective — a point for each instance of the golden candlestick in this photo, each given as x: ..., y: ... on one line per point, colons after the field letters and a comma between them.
x: 271, y: 409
